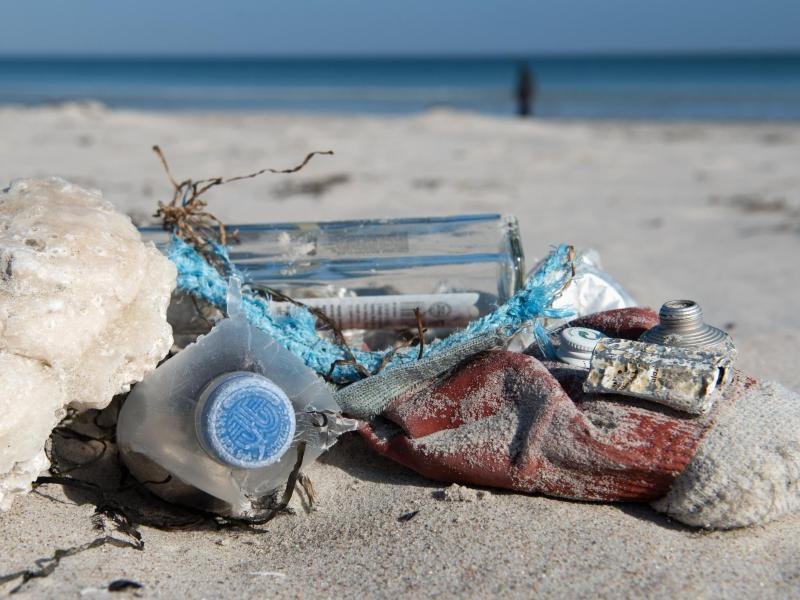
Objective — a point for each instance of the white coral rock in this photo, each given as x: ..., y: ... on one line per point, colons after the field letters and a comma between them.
x: 83, y: 306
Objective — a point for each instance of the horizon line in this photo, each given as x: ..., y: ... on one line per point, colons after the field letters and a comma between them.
x: 527, y: 55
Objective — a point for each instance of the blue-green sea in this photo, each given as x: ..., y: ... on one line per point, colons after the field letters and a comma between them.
x: 677, y: 87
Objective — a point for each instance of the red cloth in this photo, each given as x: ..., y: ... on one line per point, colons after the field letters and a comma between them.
x: 505, y: 419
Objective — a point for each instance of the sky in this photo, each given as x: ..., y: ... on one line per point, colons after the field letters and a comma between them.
x: 398, y: 27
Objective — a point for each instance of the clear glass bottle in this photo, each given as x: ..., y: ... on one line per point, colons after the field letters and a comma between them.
x: 453, y: 268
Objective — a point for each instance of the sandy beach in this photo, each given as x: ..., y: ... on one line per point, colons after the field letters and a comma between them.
x: 709, y: 211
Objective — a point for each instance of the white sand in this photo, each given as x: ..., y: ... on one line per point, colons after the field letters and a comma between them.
x: 706, y: 211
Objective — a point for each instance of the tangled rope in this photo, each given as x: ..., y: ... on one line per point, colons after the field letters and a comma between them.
x: 297, y: 331
x: 198, y: 249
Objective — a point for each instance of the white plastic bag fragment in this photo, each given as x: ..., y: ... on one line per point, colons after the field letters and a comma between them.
x: 592, y: 290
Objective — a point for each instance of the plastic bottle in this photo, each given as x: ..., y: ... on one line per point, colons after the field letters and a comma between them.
x: 219, y: 425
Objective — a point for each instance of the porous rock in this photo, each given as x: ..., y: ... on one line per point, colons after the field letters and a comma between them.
x: 82, y: 314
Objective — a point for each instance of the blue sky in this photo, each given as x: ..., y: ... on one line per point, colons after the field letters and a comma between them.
x: 265, y: 27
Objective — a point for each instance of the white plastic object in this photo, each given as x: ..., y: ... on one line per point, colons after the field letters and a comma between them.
x: 593, y: 289
x: 218, y: 425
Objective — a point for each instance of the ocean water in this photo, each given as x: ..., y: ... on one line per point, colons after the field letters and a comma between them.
x: 725, y: 87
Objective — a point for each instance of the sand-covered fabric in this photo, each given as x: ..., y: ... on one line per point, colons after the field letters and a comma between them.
x: 368, y: 398
x: 747, y: 468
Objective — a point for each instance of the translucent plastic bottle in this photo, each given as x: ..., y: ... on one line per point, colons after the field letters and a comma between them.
x: 218, y: 426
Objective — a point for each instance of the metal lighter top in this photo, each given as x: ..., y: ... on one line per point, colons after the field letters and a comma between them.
x: 681, y: 324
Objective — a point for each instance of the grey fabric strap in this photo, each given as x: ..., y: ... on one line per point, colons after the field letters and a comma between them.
x: 367, y: 398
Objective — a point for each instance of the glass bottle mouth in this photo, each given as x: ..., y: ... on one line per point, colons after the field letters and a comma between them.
x: 244, y: 420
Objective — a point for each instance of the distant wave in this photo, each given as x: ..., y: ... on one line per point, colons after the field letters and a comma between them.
x: 658, y: 88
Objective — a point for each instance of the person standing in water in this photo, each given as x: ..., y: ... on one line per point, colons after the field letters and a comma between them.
x: 526, y: 91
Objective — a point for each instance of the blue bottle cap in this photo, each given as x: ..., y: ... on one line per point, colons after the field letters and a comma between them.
x: 244, y: 420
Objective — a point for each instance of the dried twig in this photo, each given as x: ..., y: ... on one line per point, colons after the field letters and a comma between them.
x: 291, y: 484
x: 343, y: 362
x: 420, y: 333
x: 387, y: 358
x: 417, y: 339
x: 305, y: 482
x: 186, y: 213
x: 571, y: 259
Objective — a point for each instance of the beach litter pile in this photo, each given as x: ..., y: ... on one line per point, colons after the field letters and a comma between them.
x: 561, y: 387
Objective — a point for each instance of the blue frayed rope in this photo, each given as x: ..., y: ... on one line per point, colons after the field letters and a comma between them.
x: 297, y: 331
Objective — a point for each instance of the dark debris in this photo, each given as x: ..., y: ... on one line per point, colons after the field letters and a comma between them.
x: 124, y: 585
x: 406, y: 517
